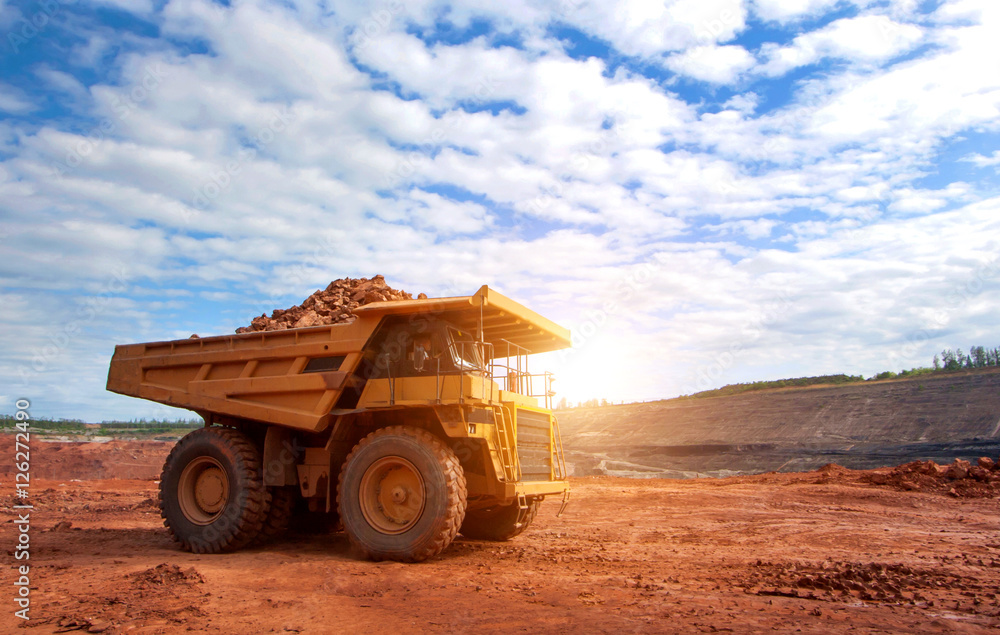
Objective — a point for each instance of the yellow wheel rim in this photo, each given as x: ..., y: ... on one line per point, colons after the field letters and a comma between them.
x: 203, y: 490
x: 392, y: 495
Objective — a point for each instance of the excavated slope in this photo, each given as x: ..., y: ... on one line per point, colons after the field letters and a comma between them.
x: 860, y: 426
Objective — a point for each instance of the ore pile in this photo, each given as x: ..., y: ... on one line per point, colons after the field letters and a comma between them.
x: 333, y: 305
x: 960, y: 479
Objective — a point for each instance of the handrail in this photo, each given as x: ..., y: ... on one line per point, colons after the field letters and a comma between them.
x: 511, y: 374
x: 557, y: 447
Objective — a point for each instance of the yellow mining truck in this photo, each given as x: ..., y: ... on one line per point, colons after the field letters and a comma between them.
x: 414, y: 422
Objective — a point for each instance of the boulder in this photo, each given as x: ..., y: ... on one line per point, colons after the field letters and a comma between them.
x: 958, y: 470
x: 979, y: 473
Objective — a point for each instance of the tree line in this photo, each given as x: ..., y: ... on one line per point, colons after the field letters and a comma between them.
x: 78, y: 425
x: 978, y: 357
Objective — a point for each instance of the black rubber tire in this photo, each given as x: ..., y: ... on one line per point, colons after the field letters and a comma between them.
x: 279, y: 513
x: 239, y: 520
x: 443, y: 489
x: 497, y: 523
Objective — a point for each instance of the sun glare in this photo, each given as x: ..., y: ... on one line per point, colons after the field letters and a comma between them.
x: 599, y: 367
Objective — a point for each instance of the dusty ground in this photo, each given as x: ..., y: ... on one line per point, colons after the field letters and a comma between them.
x: 816, y: 552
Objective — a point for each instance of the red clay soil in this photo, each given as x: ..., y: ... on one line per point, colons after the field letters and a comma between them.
x: 816, y: 552
x: 89, y: 460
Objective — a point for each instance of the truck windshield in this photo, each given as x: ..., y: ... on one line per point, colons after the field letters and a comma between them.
x: 464, y: 351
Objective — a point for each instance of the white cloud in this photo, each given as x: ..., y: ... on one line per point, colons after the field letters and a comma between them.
x: 983, y: 161
x: 745, y: 103
x: 713, y: 64
x: 922, y: 201
x: 62, y: 81
x: 8, y: 14
x: 789, y: 10
x: 914, y: 102
x: 640, y: 27
x: 870, y: 38
x: 14, y: 101
x: 443, y: 74
x: 961, y: 11
x: 444, y: 216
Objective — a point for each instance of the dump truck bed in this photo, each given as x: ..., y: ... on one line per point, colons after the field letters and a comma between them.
x: 295, y: 377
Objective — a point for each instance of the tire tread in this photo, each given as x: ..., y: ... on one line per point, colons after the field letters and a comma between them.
x: 455, y: 486
x: 247, y: 461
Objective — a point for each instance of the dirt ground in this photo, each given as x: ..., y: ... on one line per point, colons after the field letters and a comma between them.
x: 816, y: 552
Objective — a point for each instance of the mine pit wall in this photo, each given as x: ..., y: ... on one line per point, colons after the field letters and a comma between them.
x: 939, y: 417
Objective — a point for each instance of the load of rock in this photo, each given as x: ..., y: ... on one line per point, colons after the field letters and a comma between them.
x: 961, y: 478
x: 333, y: 305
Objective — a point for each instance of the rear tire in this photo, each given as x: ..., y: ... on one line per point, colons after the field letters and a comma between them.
x: 212, y: 495
x: 401, y: 495
x: 279, y: 513
x: 497, y: 523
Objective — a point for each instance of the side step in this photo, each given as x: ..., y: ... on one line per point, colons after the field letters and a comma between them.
x: 522, y: 512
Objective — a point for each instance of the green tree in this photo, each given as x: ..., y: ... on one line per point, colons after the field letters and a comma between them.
x: 977, y: 357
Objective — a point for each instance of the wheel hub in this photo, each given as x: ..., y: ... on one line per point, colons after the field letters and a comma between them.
x: 209, y: 489
x: 392, y: 495
x: 202, y: 490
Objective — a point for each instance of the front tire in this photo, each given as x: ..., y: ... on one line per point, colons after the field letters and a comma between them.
x: 212, y: 495
x: 401, y: 495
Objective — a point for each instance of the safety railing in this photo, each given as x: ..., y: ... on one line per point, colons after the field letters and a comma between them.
x: 479, y: 359
x: 512, y: 374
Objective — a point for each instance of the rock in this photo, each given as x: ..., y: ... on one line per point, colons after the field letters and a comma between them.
x: 958, y: 470
x: 931, y: 469
x: 309, y: 318
x: 979, y: 473
x: 62, y: 525
x: 360, y: 293
x: 374, y: 296
x: 986, y: 463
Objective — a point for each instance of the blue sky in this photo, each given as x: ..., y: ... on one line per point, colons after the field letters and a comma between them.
x: 705, y: 191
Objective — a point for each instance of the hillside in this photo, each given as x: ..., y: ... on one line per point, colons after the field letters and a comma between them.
x: 937, y: 417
